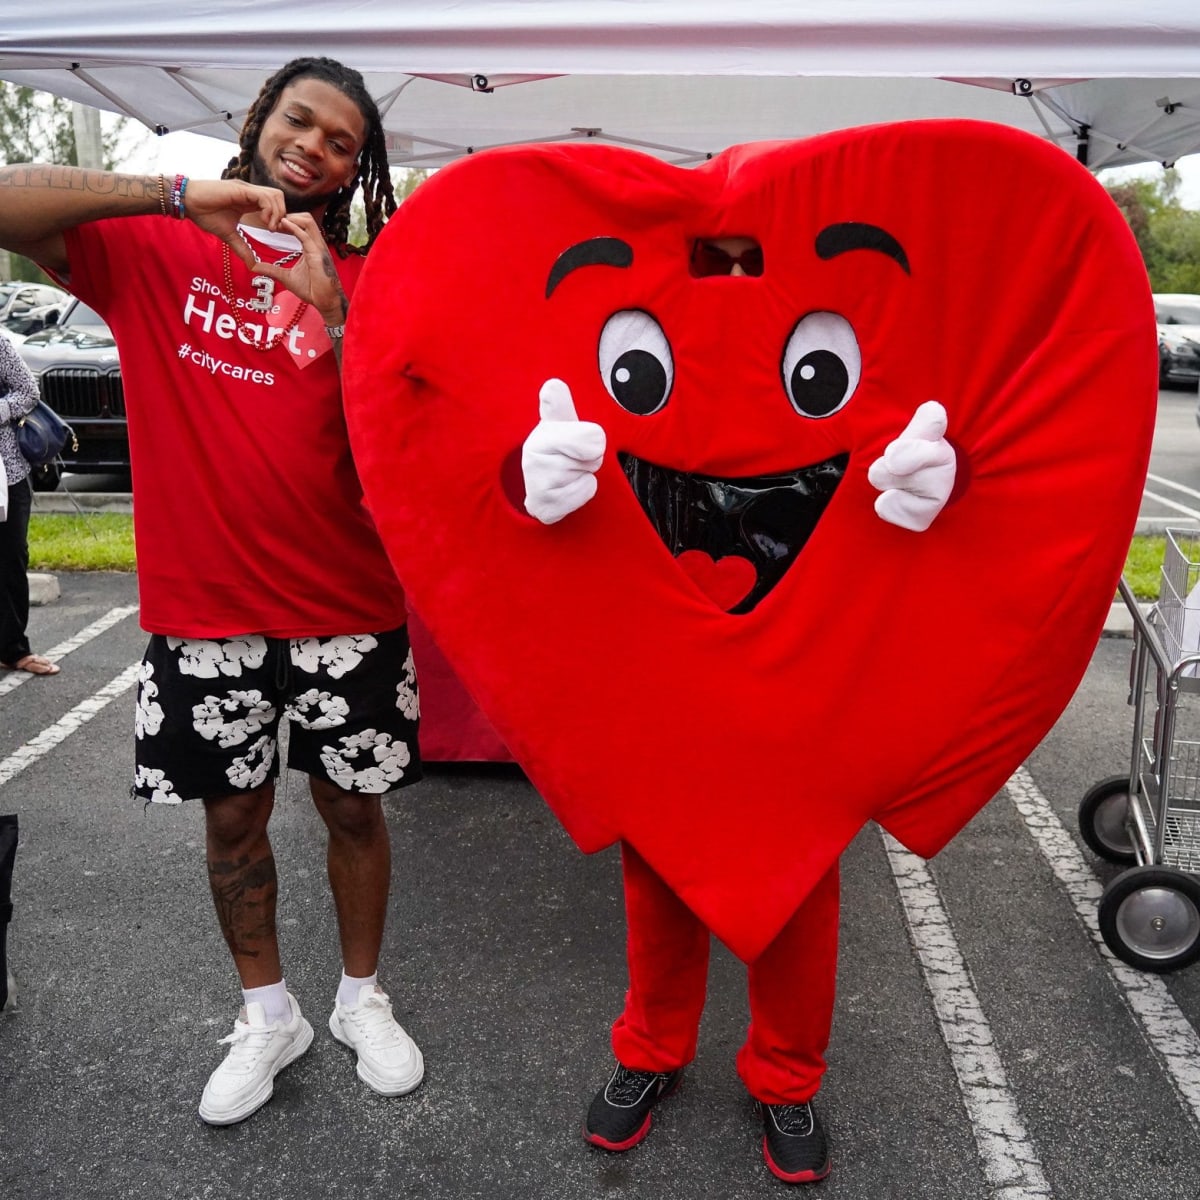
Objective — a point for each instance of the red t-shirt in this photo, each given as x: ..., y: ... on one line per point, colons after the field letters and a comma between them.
x: 249, y: 515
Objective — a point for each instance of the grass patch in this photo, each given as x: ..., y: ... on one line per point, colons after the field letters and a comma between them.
x: 81, y: 542
x: 104, y: 542
x: 1142, y: 566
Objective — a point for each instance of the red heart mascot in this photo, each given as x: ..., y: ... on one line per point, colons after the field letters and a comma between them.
x: 737, y: 722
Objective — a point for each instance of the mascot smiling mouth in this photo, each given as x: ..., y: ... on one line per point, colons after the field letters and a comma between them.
x: 752, y: 528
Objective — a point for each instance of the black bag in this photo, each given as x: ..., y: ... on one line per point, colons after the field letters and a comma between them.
x: 8, y: 853
x: 41, y: 435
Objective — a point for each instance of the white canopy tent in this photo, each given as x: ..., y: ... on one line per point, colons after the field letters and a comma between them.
x: 1112, y: 82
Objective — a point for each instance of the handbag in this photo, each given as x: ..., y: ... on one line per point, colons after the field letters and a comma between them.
x: 41, y: 435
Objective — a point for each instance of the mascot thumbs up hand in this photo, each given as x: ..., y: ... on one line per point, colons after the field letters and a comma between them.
x: 915, y: 474
x: 560, y: 457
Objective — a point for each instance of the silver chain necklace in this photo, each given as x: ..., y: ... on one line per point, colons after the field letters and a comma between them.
x: 264, y: 285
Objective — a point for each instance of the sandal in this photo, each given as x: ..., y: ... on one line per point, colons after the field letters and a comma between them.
x: 35, y: 664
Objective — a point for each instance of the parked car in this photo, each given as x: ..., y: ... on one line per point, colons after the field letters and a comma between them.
x: 27, y: 307
x: 1178, y: 317
x: 79, y: 374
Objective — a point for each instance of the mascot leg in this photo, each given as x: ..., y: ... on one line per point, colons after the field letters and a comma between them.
x: 792, y: 986
x: 654, y: 1038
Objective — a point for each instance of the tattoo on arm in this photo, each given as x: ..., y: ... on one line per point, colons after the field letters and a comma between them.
x: 79, y: 179
x: 244, y: 894
x: 331, y: 274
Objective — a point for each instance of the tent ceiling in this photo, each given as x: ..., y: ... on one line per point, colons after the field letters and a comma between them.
x: 1122, y: 79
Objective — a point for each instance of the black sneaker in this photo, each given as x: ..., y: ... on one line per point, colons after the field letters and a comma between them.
x: 619, y: 1116
x: 794, y: 1143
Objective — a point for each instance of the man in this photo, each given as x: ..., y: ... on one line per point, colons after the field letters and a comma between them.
x: 262, y: 580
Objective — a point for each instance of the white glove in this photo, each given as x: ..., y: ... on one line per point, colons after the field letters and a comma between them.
x: 560, y: 457
x: 916, y: 471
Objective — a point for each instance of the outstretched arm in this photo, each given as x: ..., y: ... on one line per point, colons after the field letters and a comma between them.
x: 39, y: 202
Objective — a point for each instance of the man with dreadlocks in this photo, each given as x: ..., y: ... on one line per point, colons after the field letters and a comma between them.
x: 262, y: 580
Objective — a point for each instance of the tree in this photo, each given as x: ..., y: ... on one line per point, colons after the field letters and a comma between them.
x: 404, y: 181
x: 38, y: 127
x: 1167, y: 234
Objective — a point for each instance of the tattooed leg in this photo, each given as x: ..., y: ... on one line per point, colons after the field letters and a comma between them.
x: 241, y: 873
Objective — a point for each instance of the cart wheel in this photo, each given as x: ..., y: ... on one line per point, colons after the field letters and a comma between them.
x: 1102, y: 816
x: 1150, y: 918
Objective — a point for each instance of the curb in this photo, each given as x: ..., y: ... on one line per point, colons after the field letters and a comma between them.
x: 66, y: 502
x: 1120, y: 620
x: 43, y: 589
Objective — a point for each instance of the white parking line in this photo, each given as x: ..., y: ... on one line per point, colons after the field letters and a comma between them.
x: 1180, y: 508
x: 1010, y: 1159
x: 15, y: 678
x: 41, y: 745
x: 1179, y: 487
x: 1170, y: 1034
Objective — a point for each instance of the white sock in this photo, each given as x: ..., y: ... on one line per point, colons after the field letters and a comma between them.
x: 349, y: 988
x: 274, y: 1001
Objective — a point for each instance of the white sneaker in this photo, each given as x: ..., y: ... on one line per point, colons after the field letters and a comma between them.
x: 388, y: 1059
x: 257, y: 1053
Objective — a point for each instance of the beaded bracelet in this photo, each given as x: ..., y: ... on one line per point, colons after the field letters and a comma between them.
x: 177, y: 190
x: 162, y: 196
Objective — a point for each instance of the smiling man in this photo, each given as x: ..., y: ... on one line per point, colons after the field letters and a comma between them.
x: 262, y: 579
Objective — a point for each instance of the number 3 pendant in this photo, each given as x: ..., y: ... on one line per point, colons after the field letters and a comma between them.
x: 264, y: 285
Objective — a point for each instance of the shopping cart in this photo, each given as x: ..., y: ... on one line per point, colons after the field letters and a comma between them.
x: 1149, y: 819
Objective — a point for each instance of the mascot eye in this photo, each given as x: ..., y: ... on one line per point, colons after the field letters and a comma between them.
x: 821, y: 364
x: 635, y: 361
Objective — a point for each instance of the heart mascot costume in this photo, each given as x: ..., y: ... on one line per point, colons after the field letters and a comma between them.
x: 727, y: 659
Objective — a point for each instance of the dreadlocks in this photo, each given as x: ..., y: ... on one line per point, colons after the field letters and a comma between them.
x: 378, y: 198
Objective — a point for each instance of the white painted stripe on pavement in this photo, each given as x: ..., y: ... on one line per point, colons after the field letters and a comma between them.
x: 41, y: 745
x: 1182, y: 508
x: 1179, y: 487
x: 15, y: 678
x: 1010, y: 1159
x: 1170, y: 1034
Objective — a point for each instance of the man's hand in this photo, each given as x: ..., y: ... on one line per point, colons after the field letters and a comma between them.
x: 217, y: 205
x: 916, y: 471
x: 560, y: 457
x: 312, y: 277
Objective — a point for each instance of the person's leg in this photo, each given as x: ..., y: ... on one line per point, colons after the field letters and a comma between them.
x: 792, y: 988
x: 667, y: 951
x: 241, y: 874
x: 654, y: 1038
x: 14, y: 580
x: 359, y: 861
x: 206, y: 723
x: 353, y: 711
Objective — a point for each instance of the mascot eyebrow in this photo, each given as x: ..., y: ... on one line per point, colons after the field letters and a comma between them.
x: 831, y: 241
x: 595, y: 252
x: 855, y: 235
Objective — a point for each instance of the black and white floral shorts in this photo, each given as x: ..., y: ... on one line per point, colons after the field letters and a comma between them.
x: 209, y: 709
